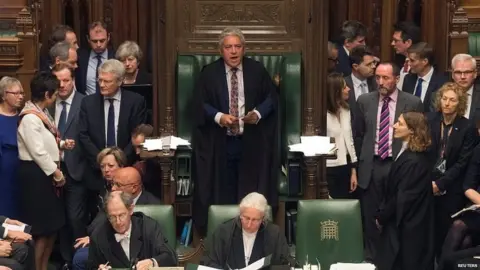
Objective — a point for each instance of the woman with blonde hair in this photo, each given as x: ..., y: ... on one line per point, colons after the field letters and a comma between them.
x: 453, y: 139
x: 405, y: 217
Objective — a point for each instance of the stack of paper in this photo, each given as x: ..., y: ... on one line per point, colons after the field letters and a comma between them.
x: 313, y: 145
x: 169, y: 142
x: 352, y: 266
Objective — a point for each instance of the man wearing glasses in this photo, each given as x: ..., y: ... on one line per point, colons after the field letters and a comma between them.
x: 464, y: 73
x: 128, y: 239
x: 90, y: 59
x: 124, y: 180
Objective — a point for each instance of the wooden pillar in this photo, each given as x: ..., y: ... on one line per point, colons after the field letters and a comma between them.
x: 52, y: 15
x: 95, y: 8
x: 28, y: 49
x: 388, y: 18
x: 315, y: 62
x: 435, y: 25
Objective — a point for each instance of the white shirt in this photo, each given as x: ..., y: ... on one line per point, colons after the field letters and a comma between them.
x: 116, y: 108
x: 241, y: 95
x: 469, y: 102
x: 36, y: 143
x: 248, y: 242
x: 346, y: 50
x: 341, y: 130
x: 357, y: 86
x: 59, y: 107
x: 125, y: 240
x: 90, y: 86
x: 425, y: 83
x: 404, y: 147
x: 402, y: 75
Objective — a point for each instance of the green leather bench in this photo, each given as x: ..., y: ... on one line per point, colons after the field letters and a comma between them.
x: 329, y: 231
x: 163, y: 214
x: 287, y: 66
x: 218, y: 214
x: 474, y: 43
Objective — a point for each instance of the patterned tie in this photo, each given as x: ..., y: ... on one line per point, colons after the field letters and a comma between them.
x: 383, y: 135
x: 62, y: 121
x: 363, y: 88
x: 111, y: 124
x: 233, y: 110
x: 418, y: 89
x: 99, y: 62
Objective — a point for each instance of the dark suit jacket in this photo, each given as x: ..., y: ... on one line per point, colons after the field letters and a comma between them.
x: 146, y: 241
x: 146, y: 198
x: 343, y: 66
x: 437, y: 81
x: 81, y: 72
x: 73, y: 158
x: 352, y: 103
x: 472, y: 176
x: 2, y: 229
x: 458, y: 151
x: 475, y: 107
x: 366, y: 127
x: 91, y: 126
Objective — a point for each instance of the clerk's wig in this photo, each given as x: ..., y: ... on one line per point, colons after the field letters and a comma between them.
x: 257, y: 201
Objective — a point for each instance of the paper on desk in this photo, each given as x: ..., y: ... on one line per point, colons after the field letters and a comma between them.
x: 158, y: 144
x: 313, y: 145
x: 263, y: 262
x: 352, y: 266
x: 11, y: 227
x: 152, y: 144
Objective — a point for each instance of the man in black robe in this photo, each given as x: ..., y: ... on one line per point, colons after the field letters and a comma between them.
x: 247, y: 238
x: 128, y: 238
x: 235, y: 130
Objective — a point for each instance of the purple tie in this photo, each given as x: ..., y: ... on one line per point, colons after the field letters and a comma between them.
x: 383, y: 135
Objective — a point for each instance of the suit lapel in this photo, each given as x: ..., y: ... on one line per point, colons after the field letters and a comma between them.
x: 122, y: 117
x: 435, y: 122
x: 74, y: 107
x: 117, y: 250
x: 452, y: 139
x: 84, y: 63
x: 101, y: 107
x: 136, y: 238
x: 223, y: 86
x: 399, y: 109
x: 374, y: 114
x: 475, y: 101
x: 351, y: 93
x: 248, y: 87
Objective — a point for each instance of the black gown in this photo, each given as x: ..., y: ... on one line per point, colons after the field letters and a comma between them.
x: 224, y: 248
x: 406, y: 215
x: 259, y: 163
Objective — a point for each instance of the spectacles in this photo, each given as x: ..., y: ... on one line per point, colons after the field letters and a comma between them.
x: 335, y: 60
x: 463, y: 73
x: 248, y: 219
x: 16, y: 93
x: 117, y: 184
x: 121, y: 217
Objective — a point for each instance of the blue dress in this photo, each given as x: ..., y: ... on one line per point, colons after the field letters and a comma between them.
x: 8, y: 166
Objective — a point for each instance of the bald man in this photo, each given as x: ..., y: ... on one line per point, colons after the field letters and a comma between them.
x: 126, y: 179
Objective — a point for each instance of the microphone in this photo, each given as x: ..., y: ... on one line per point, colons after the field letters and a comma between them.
x: 230, y: 242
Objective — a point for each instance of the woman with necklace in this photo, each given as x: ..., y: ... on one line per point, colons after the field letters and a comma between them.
x: 39, y: 177
x: 11, y: 100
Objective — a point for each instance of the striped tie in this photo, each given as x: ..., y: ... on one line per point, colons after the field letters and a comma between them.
x: 383, y: 135
x: 233, y: 110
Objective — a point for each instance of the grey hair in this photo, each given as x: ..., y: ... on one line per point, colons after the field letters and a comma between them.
x: 7, y: 82
x: 461, y: 57
x: 257, y: 201
x: 127, y: 49
x: 113, y: 66
x: 60, y: 50
x: 125, y: 197
x: 231, y: 31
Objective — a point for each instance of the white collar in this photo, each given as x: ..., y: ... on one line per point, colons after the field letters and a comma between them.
x: 138, y: 197
x: 357, y: 82
x: 427, y: 76
x: 346, y: 50
x: 229, y: 68
x: 104, y: 54
x: 68, y: 100
x: 249, y: 235
x: 117, y: 96
x: 470, y: 90
x: 127, y: 234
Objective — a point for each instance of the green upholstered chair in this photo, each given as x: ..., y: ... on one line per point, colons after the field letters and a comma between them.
x: 163, y: 214
x: 330, y: 231
x: 474, y: 44
x: 287, y: 66
x: 218, y: 214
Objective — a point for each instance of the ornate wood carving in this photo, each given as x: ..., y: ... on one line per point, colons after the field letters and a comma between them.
x: 293, y: 14
x: 247, y: 13
x: 108, y: 13
x: 310, y: 175
x: 376, y: 28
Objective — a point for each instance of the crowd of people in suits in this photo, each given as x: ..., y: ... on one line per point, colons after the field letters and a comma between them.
x: 405, y: 135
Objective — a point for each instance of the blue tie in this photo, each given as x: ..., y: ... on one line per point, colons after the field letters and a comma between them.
x: 111, y: 125
x: 99, y: 62
x: 418, y: 89
x: 62, y: 121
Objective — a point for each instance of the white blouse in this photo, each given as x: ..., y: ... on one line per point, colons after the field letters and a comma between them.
x: 341, y: 130
x: 37, y: 143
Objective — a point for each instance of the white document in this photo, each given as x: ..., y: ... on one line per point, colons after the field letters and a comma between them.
x: 11, y: 227
x: 313, y: 145
x: 158, y: 144
x: 352, y: 266
x: 153, y: 144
